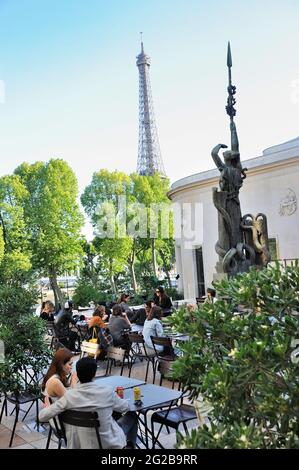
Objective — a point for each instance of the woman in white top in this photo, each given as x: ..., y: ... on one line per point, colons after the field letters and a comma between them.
x: 153, y: 327
x: 59, y: 376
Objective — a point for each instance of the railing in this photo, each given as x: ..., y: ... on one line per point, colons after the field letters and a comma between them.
x: 285, y: 261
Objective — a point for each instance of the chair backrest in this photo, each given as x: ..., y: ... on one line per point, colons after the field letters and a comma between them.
x: 166, y: 343
x: 136, y: 338
x: 92, y: 349
x: 116, y: 353
x: 83, y: 419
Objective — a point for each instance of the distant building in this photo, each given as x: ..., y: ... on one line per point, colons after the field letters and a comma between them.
x: 271, y: 187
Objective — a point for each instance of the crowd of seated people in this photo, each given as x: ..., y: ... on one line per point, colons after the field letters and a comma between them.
x: 119, y: 321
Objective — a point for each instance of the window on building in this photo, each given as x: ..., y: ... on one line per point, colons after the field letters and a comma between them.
x: 273, y: 248
x: 200, y: 271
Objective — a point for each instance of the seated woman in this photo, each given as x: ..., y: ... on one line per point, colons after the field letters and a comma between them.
x: 48, y: 310
x: 95, y: 324
x: 123, y: 302
x: 162, y: 300
x: 153, y: 327
x: 119, y: 322
x: 59, y: 376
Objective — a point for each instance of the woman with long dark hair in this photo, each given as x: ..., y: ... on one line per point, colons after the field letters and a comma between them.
x: 59, y: 376
x: 162, y: 300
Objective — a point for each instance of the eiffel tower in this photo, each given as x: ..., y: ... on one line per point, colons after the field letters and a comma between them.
x: 149, y: 154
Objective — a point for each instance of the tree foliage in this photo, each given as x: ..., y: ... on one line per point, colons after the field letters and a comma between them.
x: 52, y: 217
x: 245, y: 366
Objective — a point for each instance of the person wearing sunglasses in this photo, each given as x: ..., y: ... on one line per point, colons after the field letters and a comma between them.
x: 162, y: 300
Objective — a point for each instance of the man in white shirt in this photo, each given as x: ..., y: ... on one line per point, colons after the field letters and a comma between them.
x: 89, y: 395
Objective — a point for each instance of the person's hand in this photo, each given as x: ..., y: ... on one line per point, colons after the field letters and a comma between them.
x: 74, y: 379
x: 47, y: 402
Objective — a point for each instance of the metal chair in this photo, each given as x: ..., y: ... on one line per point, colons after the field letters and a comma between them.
x: 138, y: 351
x: 22, y: 398
x: 55, y: 428
x: 83, y: 419
x: 116, y: 354
x: 172, y: 417
x: 164, y: 356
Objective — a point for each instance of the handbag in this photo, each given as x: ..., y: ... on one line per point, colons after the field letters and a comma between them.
x: 94, y: 338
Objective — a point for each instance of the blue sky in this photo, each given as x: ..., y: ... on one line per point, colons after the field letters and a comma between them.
x: 72, y: 83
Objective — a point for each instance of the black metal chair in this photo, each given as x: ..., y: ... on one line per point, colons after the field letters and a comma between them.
x: 27, y: 396
x: 83, y: 419
x: 138, y: 351
x: 116, y: 354
x: 164, y: 356
x: 55, y: 428
x: 172, y: 417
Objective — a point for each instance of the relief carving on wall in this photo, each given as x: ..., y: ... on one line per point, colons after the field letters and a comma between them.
x: 288, y: 204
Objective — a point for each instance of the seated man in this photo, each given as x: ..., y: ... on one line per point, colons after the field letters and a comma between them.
x: 140, y: 316
x: 91, y: 396
x: 66, y: 336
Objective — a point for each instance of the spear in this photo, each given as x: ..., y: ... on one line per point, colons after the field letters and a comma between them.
x: 231, y: 89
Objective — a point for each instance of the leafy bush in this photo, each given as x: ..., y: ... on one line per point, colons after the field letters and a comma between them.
x: 23, y: 336
x: 85, y: 293
x: 245, y: 366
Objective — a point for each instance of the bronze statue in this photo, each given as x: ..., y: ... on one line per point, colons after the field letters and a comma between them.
x: 235, y: 252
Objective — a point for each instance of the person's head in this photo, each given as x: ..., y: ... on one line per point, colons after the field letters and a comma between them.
x: 155, y: 312
x: 124, y: 298
x: 49, y: 307
x: 148, y: 305
x: 86, y: 369
x: 99, y: 311
x: 117, y: 310
x: 61, y: 365
x: 211, y: 292
x: 160, y: 291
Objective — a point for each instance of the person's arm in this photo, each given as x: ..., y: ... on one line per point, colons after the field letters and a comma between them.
x: 119, y: 404
x: 125, y: 318
x: 53, y: 410
x: 159, y: 328
x: 217, y: 160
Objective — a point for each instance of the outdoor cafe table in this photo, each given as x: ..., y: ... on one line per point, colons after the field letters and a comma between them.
x: 119, y: 381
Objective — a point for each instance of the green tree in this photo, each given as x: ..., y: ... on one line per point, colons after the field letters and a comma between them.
x: 107, y: 192
x: 152, y: 192
x: 53, y: 219
x: 14, y: 241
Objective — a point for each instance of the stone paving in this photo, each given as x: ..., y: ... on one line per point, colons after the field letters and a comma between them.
x: 28, y: 437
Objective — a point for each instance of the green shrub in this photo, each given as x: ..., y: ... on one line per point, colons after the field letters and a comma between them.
x: 85, y: 293
x: 23, y: 336
x: 245, y: 366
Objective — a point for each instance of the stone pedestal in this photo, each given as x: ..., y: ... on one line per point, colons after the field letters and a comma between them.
x: 219, y: 276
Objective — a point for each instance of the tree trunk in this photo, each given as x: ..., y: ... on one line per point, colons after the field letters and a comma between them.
x: 132, y: 269
x: 58, y: 295
x: 154, y: 261
x: 165, y: 268
x: 112, y: 280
